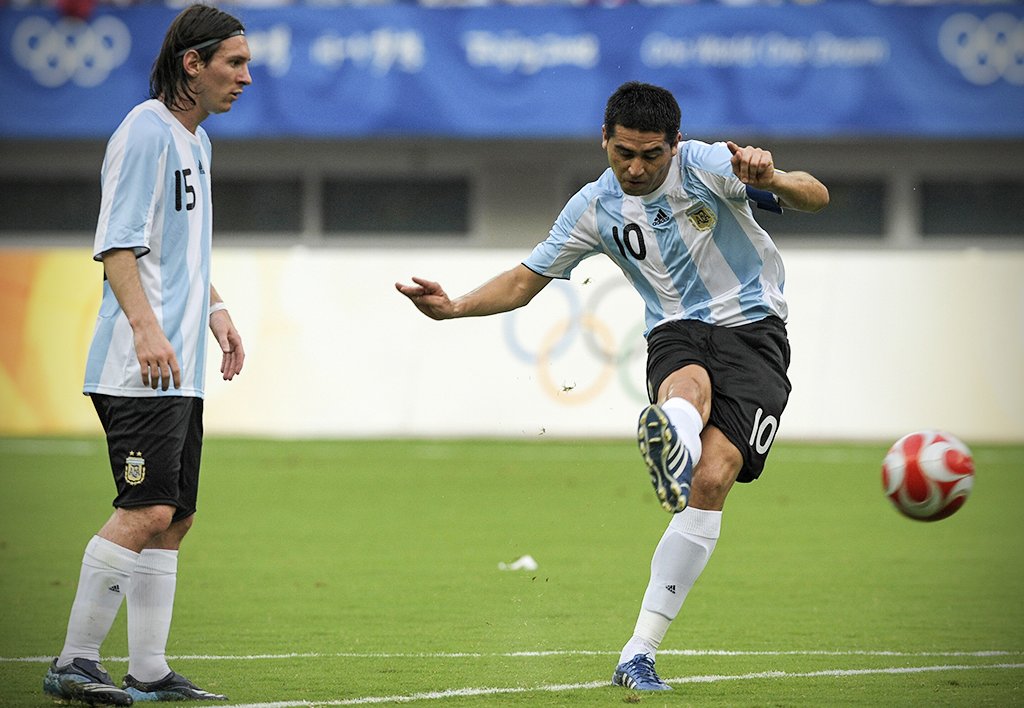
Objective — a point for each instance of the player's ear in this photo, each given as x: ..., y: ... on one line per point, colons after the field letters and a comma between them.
x: 191, y: 63
x: 604, y: 136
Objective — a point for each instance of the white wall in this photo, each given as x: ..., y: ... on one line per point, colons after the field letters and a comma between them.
x: 883, y: 343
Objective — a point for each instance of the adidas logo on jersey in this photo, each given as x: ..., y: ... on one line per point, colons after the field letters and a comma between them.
x: 114, y: 588
x: 671, y: 589
x: 660, y: 218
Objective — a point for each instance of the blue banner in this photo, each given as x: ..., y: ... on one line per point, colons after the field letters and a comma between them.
x: 829, y: 70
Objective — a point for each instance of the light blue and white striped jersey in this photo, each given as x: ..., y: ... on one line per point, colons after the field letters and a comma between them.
x: 156, y: 201
x: 691, y: 248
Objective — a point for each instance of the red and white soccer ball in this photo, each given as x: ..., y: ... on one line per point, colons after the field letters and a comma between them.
x: 928, y: 475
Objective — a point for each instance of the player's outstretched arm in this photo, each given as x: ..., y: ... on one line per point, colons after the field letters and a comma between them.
x: 797, y: 190
x: 506, y: 291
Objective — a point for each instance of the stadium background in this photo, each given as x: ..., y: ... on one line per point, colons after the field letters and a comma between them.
x: 385, y: 140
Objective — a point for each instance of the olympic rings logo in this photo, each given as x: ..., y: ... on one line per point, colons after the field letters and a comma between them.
x: 586, y: 344
x: 984, y: 50
x: 71, y: 50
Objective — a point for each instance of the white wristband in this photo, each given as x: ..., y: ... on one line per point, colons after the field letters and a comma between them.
x: 217, y: 307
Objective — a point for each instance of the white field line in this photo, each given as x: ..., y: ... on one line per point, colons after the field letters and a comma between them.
x: 555, y: 652
x: 550, y: 688
x: 761, y: 675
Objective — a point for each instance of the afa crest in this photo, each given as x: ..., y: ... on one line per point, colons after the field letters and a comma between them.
x: 134, y: 468
x: 702, y: 217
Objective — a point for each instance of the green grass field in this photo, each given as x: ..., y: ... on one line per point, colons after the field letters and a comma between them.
x: 352, y: 572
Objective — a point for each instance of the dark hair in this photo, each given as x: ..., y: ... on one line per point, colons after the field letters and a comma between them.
x: 199, y: 27
x: 645, y: 107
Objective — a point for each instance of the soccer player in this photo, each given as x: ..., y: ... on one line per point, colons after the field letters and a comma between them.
x: 146, y: 365
x: 676, y: 217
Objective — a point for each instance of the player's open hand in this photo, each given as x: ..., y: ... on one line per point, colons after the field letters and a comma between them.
x: 157, y: 360
x: 428, y: 297
x: 230, y: 341
x: 752, y: 165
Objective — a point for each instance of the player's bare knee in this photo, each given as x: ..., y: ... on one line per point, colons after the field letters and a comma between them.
x: 172, y: 537
x: 713, y: 478
x: 709, y: 491
x: 181, y: 527
x: 156, y: 519
x: 136, y: 527
x: 691, y: 383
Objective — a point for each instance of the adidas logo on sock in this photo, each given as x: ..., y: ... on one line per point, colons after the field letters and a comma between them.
x: 660, y: 218
x: 114, y: 588
x: 671, y: 589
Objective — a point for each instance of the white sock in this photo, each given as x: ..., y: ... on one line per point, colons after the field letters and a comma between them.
x: 150, y: 604
x: 686, y: 419
x: 637, y: 645
x: 678, y: 561
x: 103, y: 582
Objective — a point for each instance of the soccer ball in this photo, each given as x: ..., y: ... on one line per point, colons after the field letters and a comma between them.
x: 928, y: 475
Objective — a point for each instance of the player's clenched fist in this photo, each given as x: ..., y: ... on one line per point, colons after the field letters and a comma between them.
x: 752, y: 165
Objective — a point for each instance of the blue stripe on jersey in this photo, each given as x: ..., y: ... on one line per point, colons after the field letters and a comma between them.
x: 744, y: 261
x: 712, y: 157
x: 207, y: 246
x: 173, y: 266
x: 730, y: 238
x: 133, y: 198
x: 176, y: 278
x: 609, y: 216
x: 609, y: 213
x: 546, y: 252
x: 697, y: 189
x: 683, y: 271
x: 693, y: 186
x: 102, y: 335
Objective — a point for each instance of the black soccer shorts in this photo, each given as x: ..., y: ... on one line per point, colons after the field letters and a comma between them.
x: 747, y: 366
x: 155, y: 444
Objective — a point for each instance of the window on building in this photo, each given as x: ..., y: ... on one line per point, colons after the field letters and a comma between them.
x: 396, y: 206
x: 856, y: 208
x: 48, y: 205
x: 983, y: 207
x: 243, y: 205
